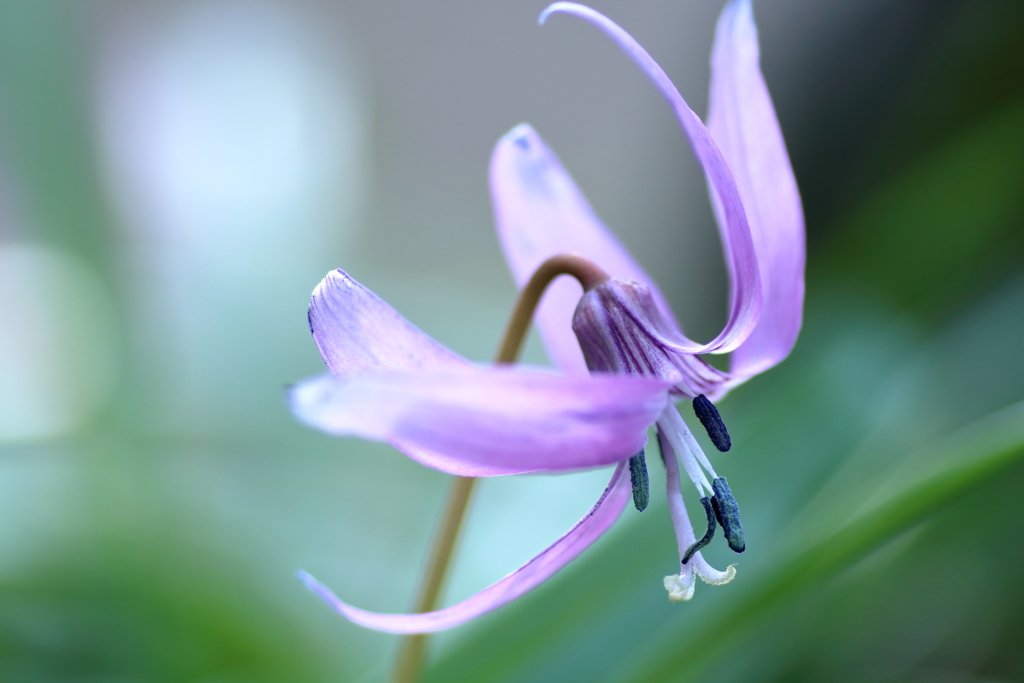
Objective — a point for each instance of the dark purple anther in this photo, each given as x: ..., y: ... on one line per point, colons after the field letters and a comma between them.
x: 708, y: 415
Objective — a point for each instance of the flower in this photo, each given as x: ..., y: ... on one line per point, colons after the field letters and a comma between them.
x: 625, y: 325
x: 389, y: 381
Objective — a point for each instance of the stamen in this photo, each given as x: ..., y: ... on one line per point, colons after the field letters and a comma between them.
x: 641, y: 483
x: 690, y: 465
x: 693, y: 446
x: 708, y: 535
x: 708, y: 415
x: 728, y: 514
x: 713, y: 577
x: 679, y: 588
x: 686, y: 445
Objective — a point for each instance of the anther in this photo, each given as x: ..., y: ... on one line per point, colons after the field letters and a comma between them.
x: 728, y: 514
x: 709, y: 510
x: 638, y: 478
x: 708, y: 415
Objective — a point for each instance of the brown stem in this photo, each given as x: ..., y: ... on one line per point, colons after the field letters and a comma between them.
x: 588, y: 274
x: 413, y: 649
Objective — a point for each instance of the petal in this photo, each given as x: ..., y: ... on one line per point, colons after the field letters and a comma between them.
x: 540, y: 212
x: 740, y: 256
x: 514, y: 419
x: 521, y: 581
x: 357, y: 332
x: 742, y: 121
x: 621, y: 330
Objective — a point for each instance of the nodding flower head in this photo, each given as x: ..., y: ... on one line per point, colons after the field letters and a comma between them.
x: 624, y: 325
x: 624, y: 358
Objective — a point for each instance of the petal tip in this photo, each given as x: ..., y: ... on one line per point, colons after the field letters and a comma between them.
x: 557, y: 7
x: 315, y: 587
x: 521, y: 137
x: 334, y: 278
x: 738, y: 15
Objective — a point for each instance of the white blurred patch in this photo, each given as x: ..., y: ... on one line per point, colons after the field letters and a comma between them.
x: 58, y: 359
x: 233, y: 134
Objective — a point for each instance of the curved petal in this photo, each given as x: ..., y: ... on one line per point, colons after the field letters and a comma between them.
x: 357, y: 332
x: 521, y: 581
x: 740, y: 257
x: 512, y: 418
x: 539, y: 213
x: 742, y: 121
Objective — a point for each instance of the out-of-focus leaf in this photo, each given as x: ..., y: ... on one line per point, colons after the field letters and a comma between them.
x: 141, y: 610
x: 947, y: 224
x: 928, y: 482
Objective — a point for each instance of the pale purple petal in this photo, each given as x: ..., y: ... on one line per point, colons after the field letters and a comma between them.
x: 518, y: 583
x: 513, y: 419
x: 743, y: 123
x: 740, y: 257
x: 540, y: 212
x: 357, y: 332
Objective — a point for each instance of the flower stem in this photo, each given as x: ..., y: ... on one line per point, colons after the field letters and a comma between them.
x: 413, y: 649
x: 588, y: 274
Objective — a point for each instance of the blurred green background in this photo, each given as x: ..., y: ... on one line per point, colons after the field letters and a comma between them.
x: 176, y: 177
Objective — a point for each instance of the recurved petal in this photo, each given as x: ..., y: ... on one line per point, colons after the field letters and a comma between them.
x: 512, y: 419
x: 742, y: 122
x: 521, y: 581
x: 539, y: 213
x: 740, y: 256
x: 357, y: 332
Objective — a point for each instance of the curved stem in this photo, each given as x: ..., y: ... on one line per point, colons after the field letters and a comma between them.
x: 588, y: 274
x: 413, y: 649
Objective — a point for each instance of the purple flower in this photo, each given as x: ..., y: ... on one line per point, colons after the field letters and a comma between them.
x: 392, y: 382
